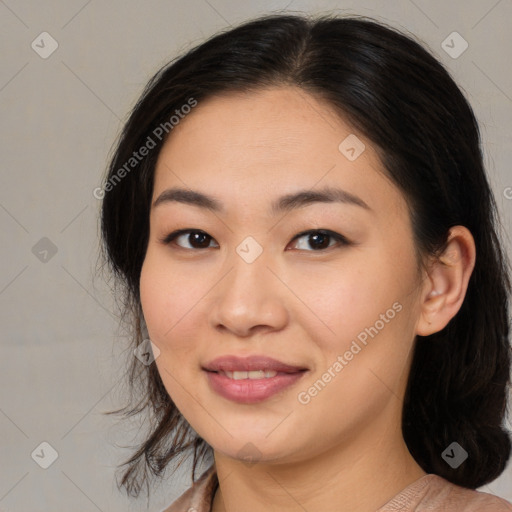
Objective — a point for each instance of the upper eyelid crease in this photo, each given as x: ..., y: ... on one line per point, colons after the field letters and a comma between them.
x: 167, y: 239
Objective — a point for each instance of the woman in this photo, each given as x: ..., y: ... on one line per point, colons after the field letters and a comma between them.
x: 299, y: 215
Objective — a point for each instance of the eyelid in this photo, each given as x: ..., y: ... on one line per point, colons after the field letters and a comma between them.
x: 167, y: 239
x: 342, y: 240
x: 336, y: 236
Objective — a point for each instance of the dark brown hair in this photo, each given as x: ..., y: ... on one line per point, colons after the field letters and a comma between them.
x: 399, y: 96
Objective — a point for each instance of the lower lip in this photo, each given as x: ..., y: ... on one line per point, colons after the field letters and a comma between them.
x: 251, y: 391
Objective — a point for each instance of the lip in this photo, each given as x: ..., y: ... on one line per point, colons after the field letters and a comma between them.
x: 251, y: 391
x: 231, y: 363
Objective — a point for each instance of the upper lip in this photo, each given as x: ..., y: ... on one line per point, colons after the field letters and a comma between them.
x: 231, y: 363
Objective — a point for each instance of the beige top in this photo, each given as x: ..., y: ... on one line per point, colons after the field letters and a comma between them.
x: 430, y: 493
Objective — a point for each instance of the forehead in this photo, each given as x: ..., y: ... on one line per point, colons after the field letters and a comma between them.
x: 270, y: 141
x: 277, y: 122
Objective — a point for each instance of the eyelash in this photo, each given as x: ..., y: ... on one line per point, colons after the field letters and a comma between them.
x: 342, y: 241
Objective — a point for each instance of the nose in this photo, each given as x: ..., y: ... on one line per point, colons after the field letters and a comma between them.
x: 249, y: 299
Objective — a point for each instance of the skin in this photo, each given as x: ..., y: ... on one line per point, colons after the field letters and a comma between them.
x: 344, y: 450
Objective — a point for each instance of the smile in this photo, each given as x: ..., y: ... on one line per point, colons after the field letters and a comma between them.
x: 256, y: 374
x: 253, y: 386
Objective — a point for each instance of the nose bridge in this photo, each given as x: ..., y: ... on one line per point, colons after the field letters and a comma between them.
x: 249, y: 276
x: 249, y: 294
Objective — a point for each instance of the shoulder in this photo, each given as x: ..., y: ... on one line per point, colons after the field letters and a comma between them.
x: 433, y: 492
x: 198, y: 497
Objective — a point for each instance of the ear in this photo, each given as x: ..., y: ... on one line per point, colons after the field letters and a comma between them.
x: 446, y: 282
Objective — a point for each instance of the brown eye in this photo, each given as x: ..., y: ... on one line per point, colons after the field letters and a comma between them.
x: 316, y: 240
x: 319, y: 240
x: 194, y: 238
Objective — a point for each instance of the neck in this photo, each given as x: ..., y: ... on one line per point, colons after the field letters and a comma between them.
x: 355, y: 476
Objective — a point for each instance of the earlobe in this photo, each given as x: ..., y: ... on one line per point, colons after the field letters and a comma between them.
x: 447, y: 281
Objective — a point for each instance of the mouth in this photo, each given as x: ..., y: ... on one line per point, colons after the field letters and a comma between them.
x: 251, y: 387
x: 251, y: 379
x: 252, y: 375
x: 255, y: 366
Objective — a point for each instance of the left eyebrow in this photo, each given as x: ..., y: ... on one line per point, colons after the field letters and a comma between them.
x: 307, y: 197
x: 282, y: 204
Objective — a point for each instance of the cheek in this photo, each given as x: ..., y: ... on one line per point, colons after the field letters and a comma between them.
x: 172, y: 304
x: 165, y: 314
x: 166, y: 296
x: 153, y: 298
x: 363, y: 309
x: 341, y: 300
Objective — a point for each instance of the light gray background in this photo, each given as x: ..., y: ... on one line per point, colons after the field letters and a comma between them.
x: 61, y: 359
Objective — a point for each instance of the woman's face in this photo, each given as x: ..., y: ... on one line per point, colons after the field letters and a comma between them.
x: 346, y: 310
